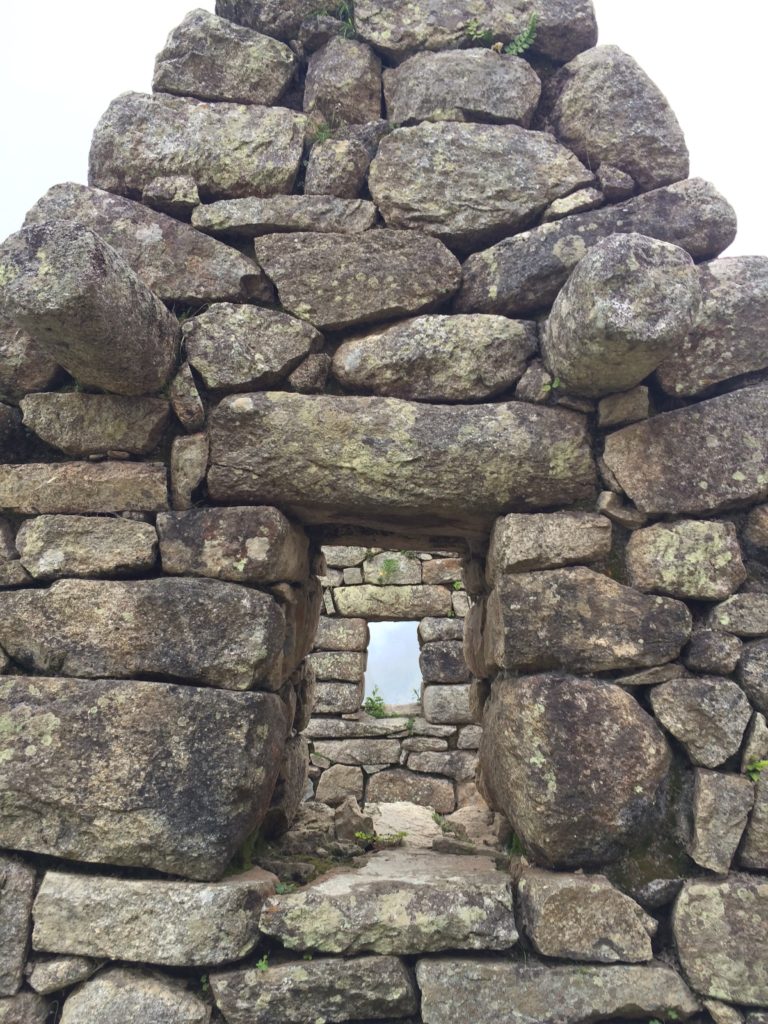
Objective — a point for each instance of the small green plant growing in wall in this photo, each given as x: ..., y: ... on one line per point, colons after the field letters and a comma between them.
x: 525, y: 40
x: 481, y: 35
x: 388, y: 570
x: 754, y: 768
x: 263, y: 964
x: 374, y: 705
x: 477, y: 33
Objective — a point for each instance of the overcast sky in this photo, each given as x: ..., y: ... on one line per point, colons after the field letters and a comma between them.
x: 62, y: 61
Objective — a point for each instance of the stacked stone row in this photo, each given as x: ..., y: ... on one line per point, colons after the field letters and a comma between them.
x: 249, y: 234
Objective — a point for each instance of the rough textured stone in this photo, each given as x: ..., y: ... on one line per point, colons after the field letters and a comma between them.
x: 607, y: 110
x: 623, y: 310
x: 715, y: 923
x: 438, y: 358
x: 549, y: 744
x: 337, y: 167
x: 245, y: 545
x: 432, y: 176
x: 241, y: 347
x: 753, y: 673
x: 401, y: 903
x: 23, y: 365
x: 176, y: 262
x: 577, y: 202
x: 460, y: 765
x: 699, y: 561
x: 520, y: 543
x: 755, y: 742
x: 380, y: 604
x: 228, y: 149
x: 443, y: 662
x: 707, y: 714
x: 442, y: 570
x: 177, y: 195
x: 713, y: 651
x: 334, y: 698
x: 279, y: 18
x: 743, y: 614
x: 146, y: 774
x: 342, y: 635
x: 53, y: 973
x: 754, y: 852
x: 582, y: 917
x: 585, y: 622
x: 756, y: 531
x: 17, y: 891
x: 343, y: 83
x: 54, y: 546
x: 337, y: 281
x: 24, y: 1008
x: 313, y: 456
x: 188, y: 465
x: 212, y: 59
x: 249, y: 218
x: 346, y: 666
x: 468, y: 85
x: 183, y: 924
x: 357, y: 728
x: 81, y: 424
x: 487, y: 991
x: 87, y: 309
x: 526, y: 272
x: 198, y: 631
x: 721, y: 806
x: 397, y: 784
x: 359, y: 751
x: 658, y: 462
x: 332, y: 990
x: 185, y: 400
x: 628, y: 407
x: 398, y: 28
x: 134, y: 996
x: 83, y: 487
x: 729, y: 337
x: 391, y: 568
x: 339, y: 782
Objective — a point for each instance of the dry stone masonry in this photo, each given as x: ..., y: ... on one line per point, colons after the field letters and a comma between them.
x: 382, y: 311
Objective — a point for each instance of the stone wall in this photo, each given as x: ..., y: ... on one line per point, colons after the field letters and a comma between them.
x: 421, y: 751
x: 413, y: 277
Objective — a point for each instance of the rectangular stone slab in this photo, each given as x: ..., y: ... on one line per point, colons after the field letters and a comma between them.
x: 387, y: 462
x: 704, y: 458
x: 133, y: 773
x: 79, y: 487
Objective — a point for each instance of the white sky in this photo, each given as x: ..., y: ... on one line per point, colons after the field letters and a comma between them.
x: 62, y: 61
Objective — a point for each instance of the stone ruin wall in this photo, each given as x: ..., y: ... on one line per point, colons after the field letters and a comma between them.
x: 491, y: 321
x: 424, y: 751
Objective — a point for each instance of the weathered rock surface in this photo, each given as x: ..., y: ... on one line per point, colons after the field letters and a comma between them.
x: 582, y: 917
x: 470, y: 184
x: 343, y: 83
x: 694, y: 560
x: 391, y: 568
x: 549, y: 744
x: 87, y: 309
x: 520, y: 543
x: 401, y: 903
x: 438, y: 358
x: 487, y: 991
x: 627, y: 407
x: 53, y: 973
x: 380, y: 603
x: 76, y: 487
x: 658, y: 462
x: 176, y: 262
x: 743, y: 614
x: 707, y: 714
x: 339, y: 782
x: 198, y: 631
x: 713, y: 651
x: 181, y: 924
x: 333, y: 990
x: 397, y: 784
x: 188, y: 465
x: 729, y: 337
x: 464, y: 85
x: 447, y: 705
x: 54, y: 546
x: 82, y: 424
x: 23, y: 365
x: 714, y: 926
x: 249, y: 218
x: 564, y: 29
x: 17, y: 891
x: 359, y: 752
x: 329, y: 459
x: 279, y: 18
x: 342, y: 635
x: 756, y: 531
x: 211, y: 59
x: 134, y: 996
x: 607, y: 110
x: 721, y: 806
x: 145, y: 774
x: 185, y: 400
x: 443, y: 662
x: 244, y: 545
x: 24, y: 1008
x: 584, y: 622
x: 753, y: 673
x: 239, y: 347
x: 346, y: 666
x: 337, y: 167
x: 334, y: 698
x: 754, y: 852
x: 228, y: 149
x: 460, y: 765
x: 337, y: 281
x: 623, y: 310
x: 526, y: 272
